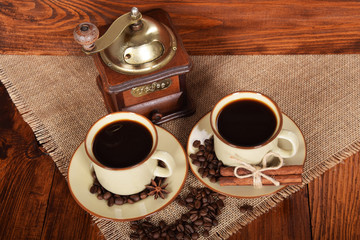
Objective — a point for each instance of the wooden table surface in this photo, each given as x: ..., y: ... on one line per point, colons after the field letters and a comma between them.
x: 34, y: 197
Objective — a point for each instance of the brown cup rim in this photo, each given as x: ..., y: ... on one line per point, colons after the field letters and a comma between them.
x: 276, y: 133
x: 132, y: 166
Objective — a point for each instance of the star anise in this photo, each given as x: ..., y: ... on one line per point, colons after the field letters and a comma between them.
x: 157, y: 190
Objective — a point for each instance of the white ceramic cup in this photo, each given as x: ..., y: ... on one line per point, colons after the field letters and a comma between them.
x: 231, y: 154
x: 132, y: 179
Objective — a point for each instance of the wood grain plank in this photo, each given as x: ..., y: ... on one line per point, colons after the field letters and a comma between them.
x: 212, y: 27
x: 25, y: 176
x: 288, y: 220
x: 334, y: 201
x: 64, y: 218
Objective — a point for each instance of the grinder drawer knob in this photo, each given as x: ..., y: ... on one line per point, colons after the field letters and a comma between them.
x: 155, y: 116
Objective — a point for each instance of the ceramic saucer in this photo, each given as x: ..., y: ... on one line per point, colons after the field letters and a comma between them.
x: 202, y: 130
x: 80, y: 181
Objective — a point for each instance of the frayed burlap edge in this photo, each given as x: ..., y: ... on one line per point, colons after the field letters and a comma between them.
x: 40, y: 131
x: 49, y: 144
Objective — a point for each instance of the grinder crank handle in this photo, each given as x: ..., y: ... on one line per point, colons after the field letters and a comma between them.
x: 87, y: 34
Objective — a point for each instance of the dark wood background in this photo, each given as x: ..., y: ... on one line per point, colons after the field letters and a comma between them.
x: 206, y: 27
x: 34, y: 199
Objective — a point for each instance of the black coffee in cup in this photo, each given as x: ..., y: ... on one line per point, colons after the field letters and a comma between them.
x: 122, y: 144
x: 246, y: 122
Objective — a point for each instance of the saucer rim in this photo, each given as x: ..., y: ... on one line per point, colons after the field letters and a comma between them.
x: 281, y: 187
x: 145, y: 215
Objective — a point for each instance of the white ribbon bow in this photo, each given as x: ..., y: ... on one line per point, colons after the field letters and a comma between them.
x: 256, y: 171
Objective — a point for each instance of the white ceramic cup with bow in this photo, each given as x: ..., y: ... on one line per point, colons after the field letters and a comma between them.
x: 230, y: 154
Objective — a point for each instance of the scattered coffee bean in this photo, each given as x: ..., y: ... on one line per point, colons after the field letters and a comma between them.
x: 107, y: 195
x: 206, y: 160
x: 93, y: 189
x: 196, y: 143
x: 103, y: 194
x: 206, y: 233
x: 204, y: 207
x: 111, y: 201
x: 245, y: 208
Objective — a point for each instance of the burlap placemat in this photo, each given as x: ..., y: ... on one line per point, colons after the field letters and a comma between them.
x: 59, y: 99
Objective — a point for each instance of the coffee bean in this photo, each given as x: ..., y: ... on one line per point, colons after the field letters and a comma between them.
x: 203, y: 213
x: 184, y: 217
x: 96, y: 182
x: 196, y: 143
x: 197, y: 163
x: 134, y: 226
x: 156, y: 235
x: 180, y: 228
x: 220, y: 203
x: 107, y: 195
x: 213, y: 179
x: 119, y: 201
x: 194, y: 217
x: 135, y: 197
x: 207, y: 219
x: 200, y: 153
x: 205, y: 173
x: 187, y: 237
x: 189, y: 199
x: 199, y: 222
x: 207, y: 225
x: 147, y: 224
x: 111, y: 201
x: 180, y: 235
x: 209, y: 148
x: 245, y: 208
x: 197, y: 204
x: 100, y: 197
x: 208, y: 228
x: 93, y: 189
x: 210, y: 156
x: 222, y: 197
x: 194, y: 236
x: 212, y: 214
x: 143, y: 195
x: 189, y: 228
x: 182, y: 202
x: 204, y: 207
x: 193, y: 156
x: 190, y: 205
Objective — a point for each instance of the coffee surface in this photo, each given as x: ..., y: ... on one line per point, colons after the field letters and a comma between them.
x: 122, y: 144
x: 246, y: 122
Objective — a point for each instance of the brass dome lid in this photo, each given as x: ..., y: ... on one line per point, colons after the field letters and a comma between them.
x: 135, y: 44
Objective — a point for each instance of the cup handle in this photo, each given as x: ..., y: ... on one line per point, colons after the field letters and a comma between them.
x: 169, y: 162
x: 292, y: 139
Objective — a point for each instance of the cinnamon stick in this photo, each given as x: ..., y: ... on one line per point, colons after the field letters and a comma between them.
x: 295, y: 179
x: 284, y: 170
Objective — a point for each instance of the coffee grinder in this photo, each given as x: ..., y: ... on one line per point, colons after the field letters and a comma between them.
x: 141, y: 63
